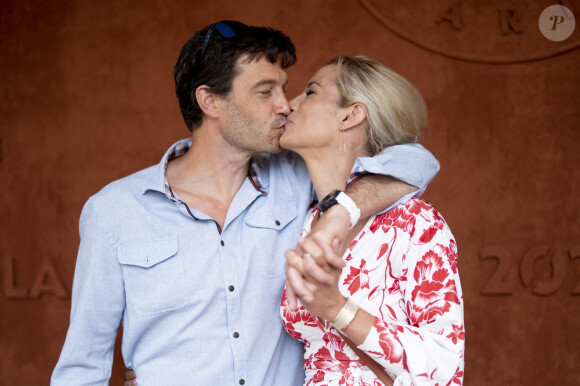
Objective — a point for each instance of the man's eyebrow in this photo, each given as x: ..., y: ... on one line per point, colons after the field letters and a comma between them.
x: 265, y: 82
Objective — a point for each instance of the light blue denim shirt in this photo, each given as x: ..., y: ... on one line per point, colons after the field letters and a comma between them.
x: 198, y: 307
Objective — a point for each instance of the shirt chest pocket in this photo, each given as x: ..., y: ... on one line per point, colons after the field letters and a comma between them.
x: 275, y: 231
x: 154, y: 275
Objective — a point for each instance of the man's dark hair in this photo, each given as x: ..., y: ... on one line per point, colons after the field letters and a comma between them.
x: 210, y: 56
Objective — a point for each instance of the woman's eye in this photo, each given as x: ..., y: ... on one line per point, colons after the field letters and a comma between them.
x: 309, y: 92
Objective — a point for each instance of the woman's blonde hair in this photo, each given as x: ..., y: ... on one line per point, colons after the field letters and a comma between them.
x: 396, y: 111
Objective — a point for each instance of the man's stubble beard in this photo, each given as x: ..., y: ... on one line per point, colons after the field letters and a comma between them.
x: 246, y: 134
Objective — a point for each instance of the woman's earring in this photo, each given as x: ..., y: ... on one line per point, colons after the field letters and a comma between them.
x: 341, y: 142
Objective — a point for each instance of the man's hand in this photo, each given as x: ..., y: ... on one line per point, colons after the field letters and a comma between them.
x: 131, y: 378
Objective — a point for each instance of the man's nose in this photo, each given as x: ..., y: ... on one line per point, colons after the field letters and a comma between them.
x: 283, y: 105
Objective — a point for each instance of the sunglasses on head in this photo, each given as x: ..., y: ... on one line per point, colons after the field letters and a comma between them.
x: 225, y: 30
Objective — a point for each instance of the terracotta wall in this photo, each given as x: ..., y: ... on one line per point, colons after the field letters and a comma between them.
x: 86, y: 97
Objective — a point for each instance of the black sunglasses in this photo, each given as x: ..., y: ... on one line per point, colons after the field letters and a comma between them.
x: 225, y: 30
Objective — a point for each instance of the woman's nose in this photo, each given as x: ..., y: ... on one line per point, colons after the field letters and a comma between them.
x: 294, y: 103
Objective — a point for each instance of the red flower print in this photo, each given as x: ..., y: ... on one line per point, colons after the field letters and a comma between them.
x: 284, y: 301
x: 384, y: 248
x: 426, y: 377
x: 457, y: 378
x: 324, y: 360
x: 429, y: 263
x: 434, y: 291
x: 318, y: 377
x: 333, y: 341
x: 291, y: 331
x: 357, y: 278
x: 341, y: 356
x: 300, y: 315
x: 429, y: 233
x: 426, y: 292
x: 374, y: 293
x: 398, y: 217
x: 347, y: 377
x: 457, y: 334
x: 355, y: 241
x: 392, y: 313
x: 404, y: 273
x: 291, y: 318
x: 353, y: 244
x: 395, y: 288
x: 416, y: 205
x: 449, y: 253
x: 389, y: 342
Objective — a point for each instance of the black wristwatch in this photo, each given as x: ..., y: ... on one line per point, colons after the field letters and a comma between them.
x: 341, y: 198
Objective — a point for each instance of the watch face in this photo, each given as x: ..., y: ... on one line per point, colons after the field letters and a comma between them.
x: 328, y: 201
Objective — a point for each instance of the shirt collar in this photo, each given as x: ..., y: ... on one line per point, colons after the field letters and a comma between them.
x: 158, y: 181
x: 356, y: 173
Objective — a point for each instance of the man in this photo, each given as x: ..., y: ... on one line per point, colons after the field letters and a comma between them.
x: 189, y: 254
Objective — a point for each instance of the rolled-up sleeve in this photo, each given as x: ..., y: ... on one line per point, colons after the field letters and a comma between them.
x: 410, y: 163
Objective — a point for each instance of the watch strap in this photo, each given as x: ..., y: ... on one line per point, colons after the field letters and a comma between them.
x: 353, y: 210
x: 341, y: 198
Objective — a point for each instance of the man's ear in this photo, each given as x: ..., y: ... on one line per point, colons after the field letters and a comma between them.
x: 356, y: 114
x: 206, y: 101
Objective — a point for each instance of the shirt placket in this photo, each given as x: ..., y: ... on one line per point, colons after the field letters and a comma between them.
x: 233, y: 306
x: 232, y: 285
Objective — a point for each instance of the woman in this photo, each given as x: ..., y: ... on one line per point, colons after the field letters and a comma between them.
x: 400, y: 266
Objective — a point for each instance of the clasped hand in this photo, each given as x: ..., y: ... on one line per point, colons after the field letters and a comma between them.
x: 313, y: 268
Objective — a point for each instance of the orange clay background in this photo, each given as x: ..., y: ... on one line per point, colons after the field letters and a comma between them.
x: 86, y: 97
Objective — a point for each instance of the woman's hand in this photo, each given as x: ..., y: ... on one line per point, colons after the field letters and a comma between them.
x: 321, y: 244
x: 321, y: 296
x: 296, y: 285
x: 329, y: 234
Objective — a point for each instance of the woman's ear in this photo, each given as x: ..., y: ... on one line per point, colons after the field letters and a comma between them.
x: 207, y: 101
x: 356, y: 114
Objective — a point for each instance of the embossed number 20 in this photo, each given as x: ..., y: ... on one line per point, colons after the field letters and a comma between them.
x: 500, y: 284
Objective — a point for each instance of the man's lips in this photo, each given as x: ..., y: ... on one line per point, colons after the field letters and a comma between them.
x: 283, y: 126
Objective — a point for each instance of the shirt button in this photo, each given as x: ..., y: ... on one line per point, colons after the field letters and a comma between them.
x: 222, y: 242
x: 236, y: 335
x: 277, y: 222
x: 231, y: 288
x: 242, y: 382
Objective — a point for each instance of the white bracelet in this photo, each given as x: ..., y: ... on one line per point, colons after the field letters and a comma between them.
x: 353, y: 210
x: 345, y: 315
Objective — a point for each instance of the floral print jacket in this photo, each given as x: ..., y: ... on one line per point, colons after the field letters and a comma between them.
x: 401, y: 268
